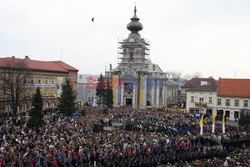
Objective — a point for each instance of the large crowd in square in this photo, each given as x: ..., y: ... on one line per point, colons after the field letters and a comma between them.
x: 144, y: 138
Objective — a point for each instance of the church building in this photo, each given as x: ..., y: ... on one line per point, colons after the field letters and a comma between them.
x: 136, y: 81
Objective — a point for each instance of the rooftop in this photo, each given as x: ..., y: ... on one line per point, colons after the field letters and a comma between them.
x: 56, y: 66
x: 234, y: 87
x: 201, y: 84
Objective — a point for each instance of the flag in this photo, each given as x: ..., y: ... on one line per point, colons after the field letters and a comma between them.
x: 223, y: 123
x: 201, y: 124
x: 213, y: 120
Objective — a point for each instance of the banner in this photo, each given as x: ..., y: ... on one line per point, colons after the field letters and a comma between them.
x: 213, y: 121
x: 223, y: 123
x: 201, y: 124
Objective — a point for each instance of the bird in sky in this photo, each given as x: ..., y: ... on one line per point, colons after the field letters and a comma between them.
x: 93, y: 19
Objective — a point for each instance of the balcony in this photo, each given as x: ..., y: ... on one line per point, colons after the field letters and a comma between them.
x: 201, y: 104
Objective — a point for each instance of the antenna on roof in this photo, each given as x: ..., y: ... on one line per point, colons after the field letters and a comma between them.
x: 61, y: 53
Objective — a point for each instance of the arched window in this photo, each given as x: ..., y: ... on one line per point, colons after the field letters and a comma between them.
x: 46, y: 105
x: 7, y: 108
x: 131, y: 55
x: 52, y: 105
x: 24, y: 107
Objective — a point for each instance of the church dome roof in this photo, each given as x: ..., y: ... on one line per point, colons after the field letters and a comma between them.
x: 134, y: 25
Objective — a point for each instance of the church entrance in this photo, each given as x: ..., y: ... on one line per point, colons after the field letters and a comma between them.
x: 129, y: 101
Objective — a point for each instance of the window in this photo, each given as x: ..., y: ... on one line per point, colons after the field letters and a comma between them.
x: 245, y: 103
x: 92, y: 98
x: 210, y: 111
x: 131, y: 55
x: 210, y: 100
x: 52, y: 105
x: 204, y: 83
x: 227, y: 102
x: 24, y: 107
x: 236, y: 114
x: 52, y: 80
x: 227, y: 114
x: 39, y: 80
x: 89, y: 98
x: 201, y: 99
x: 192, y: 99
x: 46, y: 81
x: 8, y: 108
x: 32, y: 80
x: 219, y: 102
x: 46, y: 105
x: 236, y: 103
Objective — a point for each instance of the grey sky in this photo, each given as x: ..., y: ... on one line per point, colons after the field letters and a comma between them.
x: 207, y: 36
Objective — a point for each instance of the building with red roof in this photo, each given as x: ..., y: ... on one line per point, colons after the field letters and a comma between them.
x: 233, y: 97
x: 48, y: 75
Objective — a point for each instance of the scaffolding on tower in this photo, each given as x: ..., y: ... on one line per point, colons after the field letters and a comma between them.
x: 144, y: 44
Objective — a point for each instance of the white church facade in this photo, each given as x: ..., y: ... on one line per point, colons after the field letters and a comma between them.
x: 136, y: 81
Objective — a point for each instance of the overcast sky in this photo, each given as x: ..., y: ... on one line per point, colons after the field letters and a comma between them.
x: 207, y: 36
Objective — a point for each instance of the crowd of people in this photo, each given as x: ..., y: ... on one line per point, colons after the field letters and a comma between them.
x: 148, y: 138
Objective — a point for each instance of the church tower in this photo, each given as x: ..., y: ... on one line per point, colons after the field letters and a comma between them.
x: 136, y: 81
x: 134, y: 49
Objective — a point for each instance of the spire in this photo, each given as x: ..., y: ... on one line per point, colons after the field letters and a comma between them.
x: 134, y: 26
x: 135, y: 11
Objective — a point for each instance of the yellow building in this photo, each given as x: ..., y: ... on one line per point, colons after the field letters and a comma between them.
x: 48, y: 75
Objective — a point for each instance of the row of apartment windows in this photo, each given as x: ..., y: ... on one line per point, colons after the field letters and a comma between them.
x: 236, y: 114
x: 236, y: 102
x: 201, y: 99
x: 40, y: 81
x: 24, y: 108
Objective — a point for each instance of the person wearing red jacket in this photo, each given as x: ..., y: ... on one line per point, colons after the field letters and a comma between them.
x: 55, y: 162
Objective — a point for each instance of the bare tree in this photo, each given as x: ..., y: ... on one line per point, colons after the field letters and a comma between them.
x: 187, y: 77
x: 13, y: 77
x: 195, y: 75
x: 174, y: 75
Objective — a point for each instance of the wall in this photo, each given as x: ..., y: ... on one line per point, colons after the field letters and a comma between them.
x: 197, y: 95
x: 232, y: 108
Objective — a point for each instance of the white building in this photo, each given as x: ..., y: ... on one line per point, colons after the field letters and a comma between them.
x: 86, y: 91
x: 136, y: 81
x: 201, y: 95
x: 233, y: 97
